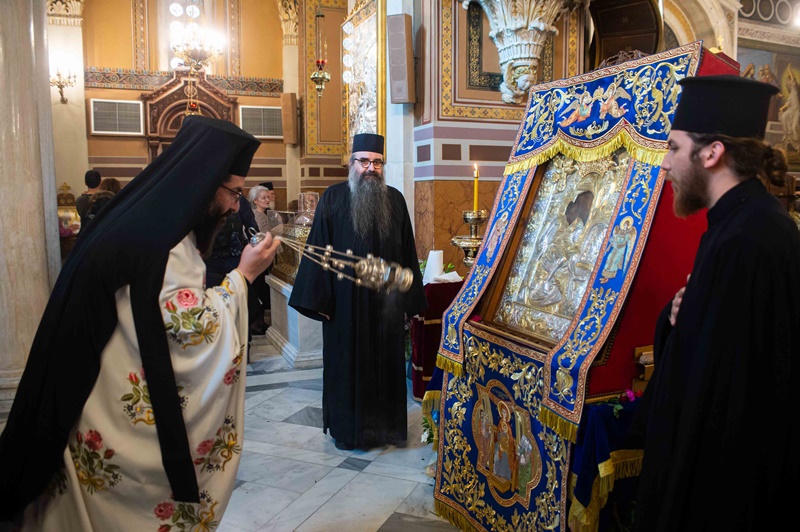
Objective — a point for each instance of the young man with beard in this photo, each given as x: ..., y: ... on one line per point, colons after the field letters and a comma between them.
x: 364, y: 390
x: 130, y: 412
x: 720, y: 446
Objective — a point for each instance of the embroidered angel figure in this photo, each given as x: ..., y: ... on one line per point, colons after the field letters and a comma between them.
x: 581, y: 108
x: 620, y: 248
x: 609, y: 104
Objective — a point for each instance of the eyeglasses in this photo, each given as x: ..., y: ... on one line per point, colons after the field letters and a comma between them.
x: 376, y: 163
x: 236, y: 193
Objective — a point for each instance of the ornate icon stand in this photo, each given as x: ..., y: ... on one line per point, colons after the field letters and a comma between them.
x: 472, y: 243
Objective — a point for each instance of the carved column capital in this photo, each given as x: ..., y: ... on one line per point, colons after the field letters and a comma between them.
x: 65, y: 12
x: 519, y: 29
x: 288, y: 12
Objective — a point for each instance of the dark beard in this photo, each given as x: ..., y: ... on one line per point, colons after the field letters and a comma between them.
x: 207, y: 228
x: 369, y: 203
x: 692, y: 194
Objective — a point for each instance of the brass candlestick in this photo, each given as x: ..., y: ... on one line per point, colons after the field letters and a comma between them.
x: 472, y: 243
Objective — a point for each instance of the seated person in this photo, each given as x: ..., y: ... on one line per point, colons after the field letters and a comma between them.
x: 97, y: 202
x: 110, y: 184
x: 92, y: 179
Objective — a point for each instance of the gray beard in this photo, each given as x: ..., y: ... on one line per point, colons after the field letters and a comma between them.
x: 369, y: 204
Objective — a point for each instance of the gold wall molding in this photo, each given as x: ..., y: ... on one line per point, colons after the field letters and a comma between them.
x: 574, y: 59
x: 289, y: 19
x: 140, y: 48
x: 447, y: 107
x: 313, y: 145
x: 65, y: 12
x: 754, y: 31
x: 679, y: 18
x: 136, y: 79
x: 235, y: 37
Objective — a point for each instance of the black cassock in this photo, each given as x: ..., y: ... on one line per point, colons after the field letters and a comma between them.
x: 364, y: 385
x: 721, y: 446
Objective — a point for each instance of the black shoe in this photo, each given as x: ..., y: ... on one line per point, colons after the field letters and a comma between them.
x: 342, y: 446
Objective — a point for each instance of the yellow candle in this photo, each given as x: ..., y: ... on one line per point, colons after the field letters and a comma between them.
x: 475, y: 189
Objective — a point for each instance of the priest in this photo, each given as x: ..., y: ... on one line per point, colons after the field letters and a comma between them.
x: 129, y: 415
x: 364, y: 389
x: 721, y: 446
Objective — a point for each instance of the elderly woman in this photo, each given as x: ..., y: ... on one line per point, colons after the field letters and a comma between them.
x: 263, y: 201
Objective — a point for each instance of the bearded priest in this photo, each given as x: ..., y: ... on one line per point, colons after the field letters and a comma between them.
x: 364, y: 389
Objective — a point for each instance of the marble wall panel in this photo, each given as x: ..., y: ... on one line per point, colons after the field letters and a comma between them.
x: 423, y: 217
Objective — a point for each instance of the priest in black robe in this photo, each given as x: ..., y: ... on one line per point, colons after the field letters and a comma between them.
x: 364, y: 388
x: 721, y: 445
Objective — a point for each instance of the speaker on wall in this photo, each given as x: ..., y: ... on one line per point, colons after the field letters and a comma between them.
x: 401, y: 59
x: 289, y: 118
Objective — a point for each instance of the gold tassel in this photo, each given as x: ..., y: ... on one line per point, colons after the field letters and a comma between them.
x: 430, y: 401
x: 651, y: 156
x: 627, y: 462
x: 449, y: 365
x: 586, y: 519
x: 564, y: 428
x: 455, y: 517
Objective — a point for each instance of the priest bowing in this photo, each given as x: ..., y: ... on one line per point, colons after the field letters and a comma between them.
x: 364, y: 390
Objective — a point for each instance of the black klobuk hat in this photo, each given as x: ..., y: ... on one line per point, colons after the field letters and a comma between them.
x: 368, y: 142
x: 728, y: 105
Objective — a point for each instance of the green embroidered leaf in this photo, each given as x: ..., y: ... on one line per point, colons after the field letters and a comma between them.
x: 168, y: 326
x: 135, y: 400
x: 186, y: 315
x: 197, y: 327
x: 196, y: 311
x: 176, y: 322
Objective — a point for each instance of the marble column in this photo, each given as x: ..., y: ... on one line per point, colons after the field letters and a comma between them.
x: 291, y: 84
x: 30, y: 257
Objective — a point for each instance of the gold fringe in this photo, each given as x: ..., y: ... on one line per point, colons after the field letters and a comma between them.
x: 624, y: 463
x: 449, y: 365
x: 560, y: 145
x: 627, y: 462
x: 564, y: 428
x: 455, y: 518
x: 430, y: 400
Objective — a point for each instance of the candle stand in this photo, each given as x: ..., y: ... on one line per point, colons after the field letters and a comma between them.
x: 472, y: 243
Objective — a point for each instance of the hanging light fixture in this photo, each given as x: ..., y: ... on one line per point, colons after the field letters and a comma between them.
x: 196, y: 47
x: 320, y: 77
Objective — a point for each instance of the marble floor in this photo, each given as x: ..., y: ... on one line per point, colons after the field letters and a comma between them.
x: 292, y: 477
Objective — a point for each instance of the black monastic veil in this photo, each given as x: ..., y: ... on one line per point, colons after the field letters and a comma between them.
x: 128, y: 243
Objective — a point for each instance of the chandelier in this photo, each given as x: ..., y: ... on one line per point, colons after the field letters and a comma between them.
x: 197, y: 48
x: 320, y: 77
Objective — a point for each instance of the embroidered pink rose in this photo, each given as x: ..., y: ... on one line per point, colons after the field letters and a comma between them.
x: 186, y: 298
x: 79, y: 437
x: 204, y: 447
x: 164, y: 528
x: 164, y: 510
x: 93, y: 440
x: 229, y: 376
x: 170, y: 306
x: 109, y: 454
x: 133, y: 378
